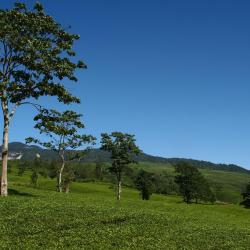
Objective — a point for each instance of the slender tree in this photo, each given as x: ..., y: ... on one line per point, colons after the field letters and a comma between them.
x: 64, y: 138
x: 35, y: 168
x: 122, y: 147
x: 35, y: 56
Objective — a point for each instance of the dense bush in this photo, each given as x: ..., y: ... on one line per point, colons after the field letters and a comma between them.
x: 144, y: 183
x: 246, y: 197
x: 164, y: 184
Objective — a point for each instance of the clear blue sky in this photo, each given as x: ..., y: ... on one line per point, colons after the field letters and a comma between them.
x: 174, y: 73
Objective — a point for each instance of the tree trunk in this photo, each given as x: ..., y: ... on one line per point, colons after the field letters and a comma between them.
x: 119, y: 190
x: 4, y: 181
x: 60, y: 187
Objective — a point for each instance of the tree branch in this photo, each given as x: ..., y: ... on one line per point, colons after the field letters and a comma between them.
x: 13, y: 111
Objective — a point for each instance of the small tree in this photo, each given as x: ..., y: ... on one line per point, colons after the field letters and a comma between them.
x: 35, y: 57
x: 192, y: 184
x: 145, y: 184
x: 35, y: 169
x: 22, y: 166
x: 62, y: 129
x: 122, y: 147
x: 246, y: 197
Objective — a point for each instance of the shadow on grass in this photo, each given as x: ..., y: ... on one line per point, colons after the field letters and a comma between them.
x: 18, y: 193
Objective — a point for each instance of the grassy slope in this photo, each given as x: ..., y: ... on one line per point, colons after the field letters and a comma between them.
x: 228, y: 186
x: 90, y: 218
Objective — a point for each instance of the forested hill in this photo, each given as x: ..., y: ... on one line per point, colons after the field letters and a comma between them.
x: 96, y: 155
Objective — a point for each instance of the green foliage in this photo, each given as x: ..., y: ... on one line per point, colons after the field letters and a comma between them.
x: 122, y: 147
x: 36, y: 55
x: 37, y: 168
x: 53, y: 168
x: 97, y: 155
x: 165, y: 183
x: 192, y: 184
x: 246, y: 197
x: 22, y: 166
x: 144, y: 183
x: 99, y: 170
x: 203, y: 191
x: 84, y: 172
x: 62, y: 130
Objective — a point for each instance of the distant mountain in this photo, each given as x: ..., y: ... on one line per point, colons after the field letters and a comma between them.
x: 22, y: 151
x: 26, y: 152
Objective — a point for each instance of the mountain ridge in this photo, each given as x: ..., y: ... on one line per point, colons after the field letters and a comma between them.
x: 29, y: 152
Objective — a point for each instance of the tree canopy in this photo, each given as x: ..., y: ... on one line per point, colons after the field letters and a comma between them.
x: 35, y: 55
x: 62, y: 129
x: 192, y: 184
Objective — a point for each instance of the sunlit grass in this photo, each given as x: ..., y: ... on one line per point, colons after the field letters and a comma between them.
x: 90, y: 218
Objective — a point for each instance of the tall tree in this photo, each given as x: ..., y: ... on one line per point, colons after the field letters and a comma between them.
x: 35, y: 56
x: 122, y: 147
x: 64, y: 138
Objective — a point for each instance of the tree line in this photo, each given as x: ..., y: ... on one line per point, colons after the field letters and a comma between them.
x: 190, y: 184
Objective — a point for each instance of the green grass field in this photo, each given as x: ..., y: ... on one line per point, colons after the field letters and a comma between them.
x: 90, y: 218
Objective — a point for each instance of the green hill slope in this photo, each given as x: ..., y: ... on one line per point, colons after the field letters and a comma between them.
x: 90, y: 218
x: 227, y: 185
x: 227, y: 181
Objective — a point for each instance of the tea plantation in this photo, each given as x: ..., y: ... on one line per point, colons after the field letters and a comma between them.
x: 90, y: 218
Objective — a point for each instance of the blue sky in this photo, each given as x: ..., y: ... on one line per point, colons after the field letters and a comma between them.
x: 174, y: 73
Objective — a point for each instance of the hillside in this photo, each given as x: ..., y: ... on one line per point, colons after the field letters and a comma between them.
x: 90, y: 218
x: 97, y: 155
